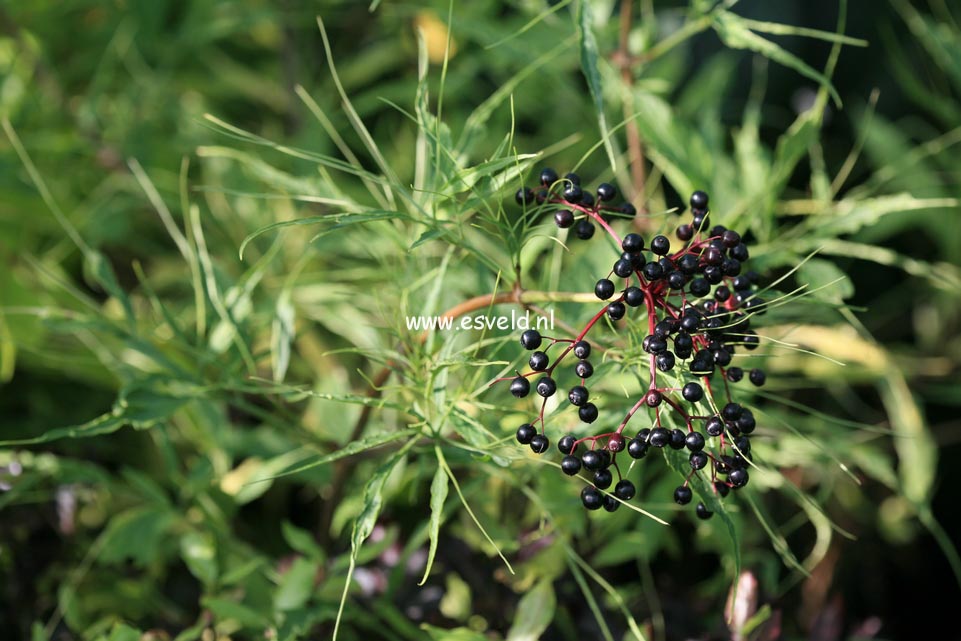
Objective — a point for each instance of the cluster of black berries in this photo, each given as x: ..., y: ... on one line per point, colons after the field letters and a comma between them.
x: 698, y: 304
x: 577, y: 207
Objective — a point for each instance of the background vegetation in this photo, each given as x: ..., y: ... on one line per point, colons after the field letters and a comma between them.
x: 178, y: 413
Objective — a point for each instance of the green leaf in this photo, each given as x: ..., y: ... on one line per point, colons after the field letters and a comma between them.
x: 350, y: 449
x: 225, y: 610
x: 589, y: 58
x: 680, y: 464
x: 735, y: 33
x: 365, y: 521
x: 301, y: 540
x: 121, y: 632
x: 282, y: 335
x: 138, y: 534
x: 438, y: 495
x: 296, y: 585
x: 534, y: 613
x: 340, y: 220
x: 199, y: 552
x: 914, y: 444
x: 453, y: 634
x: 825, y: 280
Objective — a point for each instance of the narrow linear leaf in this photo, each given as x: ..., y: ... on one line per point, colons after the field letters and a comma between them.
x: 535, y: 611
x: 350, y: 449
x: 589, y: 61
x: 438, y: 495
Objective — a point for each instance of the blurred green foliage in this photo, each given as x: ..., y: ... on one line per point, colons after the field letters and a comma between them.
x: 216, y: 215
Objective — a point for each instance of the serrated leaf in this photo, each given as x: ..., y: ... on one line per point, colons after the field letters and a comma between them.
x: 535, y: 611
x: 438, y: 495
x: 589, y: 60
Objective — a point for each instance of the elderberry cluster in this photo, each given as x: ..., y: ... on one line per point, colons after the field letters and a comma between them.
x: 697, y: 302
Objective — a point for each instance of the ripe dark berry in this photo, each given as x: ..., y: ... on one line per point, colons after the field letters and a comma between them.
x: 633, y: 296
x: 683, y: 495
x: 636, y: 448
x: 625, y: 490
x: 604, y: 289
x: 524, y: 196
x: 700, y: 287
x: 653, y: 398
x: 740, y: 252
x: 676, y: 280
x: 698, y: 460
x: 525, y: 433
x: 592, y: 460
x: 578, y: 395
x: 743, y: 444
x: 722, y: 357
x: 632, y: 243
x: 587, y: 412
x: 616, y: 310
x: 566, y: 444
x: 573, y: 193
x: 738, y: 478
x: 548, y: 176
x: 685, y: 232
x: 570, y: 465
x: 623, y: 268
x: 653, y: 271
x: 712, y: 255
x: 539, y: 444
x: 520, y: 387
x: 573, y: 178
x: 683, y: 341
x: 730, y: 238
x: 692, y: 392
x: 702, y: 512
x: 659, y: 437
x: 700, y: 220
x: 538, y: 361
x: 628, y: 210
x: 665, y: 361
x: 721, y: 294
x: 731, y: 412
x: 531, y: 339
x: 563, y: 218
x: 615, y: 443
x: 677, y: 439
x: 591, y: 498
x: 610, y: 503
x: 746, y: 423
x: 584, y: 229
x: 757, y: 376
x: 699, y: 200
x: 714, y: 426
x: 660, y: 245
x: 606, y: 192
x: 751, y: 340
x: 731, y: 267
x: 722, y: 488
x: 694, y: 441
x: 582, y: 349
x: 603, y: 479
x: 584, y: 369
x: 546, y: 386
